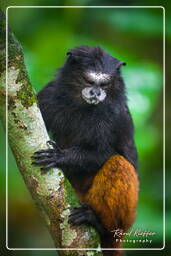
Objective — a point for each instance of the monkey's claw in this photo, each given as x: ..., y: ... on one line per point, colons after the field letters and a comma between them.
x: 48, y: 158
x: 82, y: 214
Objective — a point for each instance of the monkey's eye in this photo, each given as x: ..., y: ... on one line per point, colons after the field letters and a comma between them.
x: 89, y: 82
x: 104, y: 85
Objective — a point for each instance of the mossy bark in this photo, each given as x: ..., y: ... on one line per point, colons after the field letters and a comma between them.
x: 27, y: 133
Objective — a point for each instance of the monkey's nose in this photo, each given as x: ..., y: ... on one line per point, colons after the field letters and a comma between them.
x: 95, y: 92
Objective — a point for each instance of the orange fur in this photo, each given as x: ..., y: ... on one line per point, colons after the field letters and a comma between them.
x: 113, y: 194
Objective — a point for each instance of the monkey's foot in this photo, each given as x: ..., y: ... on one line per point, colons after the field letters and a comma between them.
x: 84, y: 214
x: 50, y: 157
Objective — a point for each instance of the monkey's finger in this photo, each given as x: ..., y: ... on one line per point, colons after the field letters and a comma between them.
x: 49, y: 166
x: 50, y: 150
x: 80, y: 208
x: 46, y: 160
x: 71, y: 221
x: 79, y: 220
x: 76, y: 211
x: 74, y: 217
x: 36, y: 156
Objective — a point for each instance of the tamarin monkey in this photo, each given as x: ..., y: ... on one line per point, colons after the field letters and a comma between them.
x: 85, y: 109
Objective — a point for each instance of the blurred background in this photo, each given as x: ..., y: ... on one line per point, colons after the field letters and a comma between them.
x: 133, y: 35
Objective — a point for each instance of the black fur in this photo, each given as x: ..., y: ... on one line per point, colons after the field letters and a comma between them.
x: 84, y: 214
x: 87, y: 134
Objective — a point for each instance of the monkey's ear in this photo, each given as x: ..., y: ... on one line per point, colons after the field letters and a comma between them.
x: 69, y: 53
x: 73, y: 56
x: 119, y: 64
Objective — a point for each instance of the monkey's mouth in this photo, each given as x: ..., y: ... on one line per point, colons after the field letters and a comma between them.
x: 93, y: 99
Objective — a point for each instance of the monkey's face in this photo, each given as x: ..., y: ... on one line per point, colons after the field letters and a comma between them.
x: 92, y: 74
x: 96, y: 92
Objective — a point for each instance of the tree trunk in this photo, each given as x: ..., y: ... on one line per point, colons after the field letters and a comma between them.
x: 26, y: 133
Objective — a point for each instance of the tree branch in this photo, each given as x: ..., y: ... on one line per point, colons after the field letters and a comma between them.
x: 27, y: 134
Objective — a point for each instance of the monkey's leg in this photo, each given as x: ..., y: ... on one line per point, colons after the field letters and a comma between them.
x: 113, y: 193
x: 113, y: 197
x: 84, y: 214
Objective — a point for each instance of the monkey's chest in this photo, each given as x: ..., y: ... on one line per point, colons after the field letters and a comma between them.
x: 93, y: 133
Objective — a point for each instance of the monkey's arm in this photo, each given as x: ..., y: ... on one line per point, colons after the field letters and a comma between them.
x: 76, y: 157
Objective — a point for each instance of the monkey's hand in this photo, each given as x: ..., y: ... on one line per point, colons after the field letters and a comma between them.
x: 74, y: 157
x: 51, y: 157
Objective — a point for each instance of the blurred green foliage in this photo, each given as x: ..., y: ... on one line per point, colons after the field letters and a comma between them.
x: 132, y: 35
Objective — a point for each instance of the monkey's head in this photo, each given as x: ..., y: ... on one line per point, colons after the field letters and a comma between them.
x: 92, y: 76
